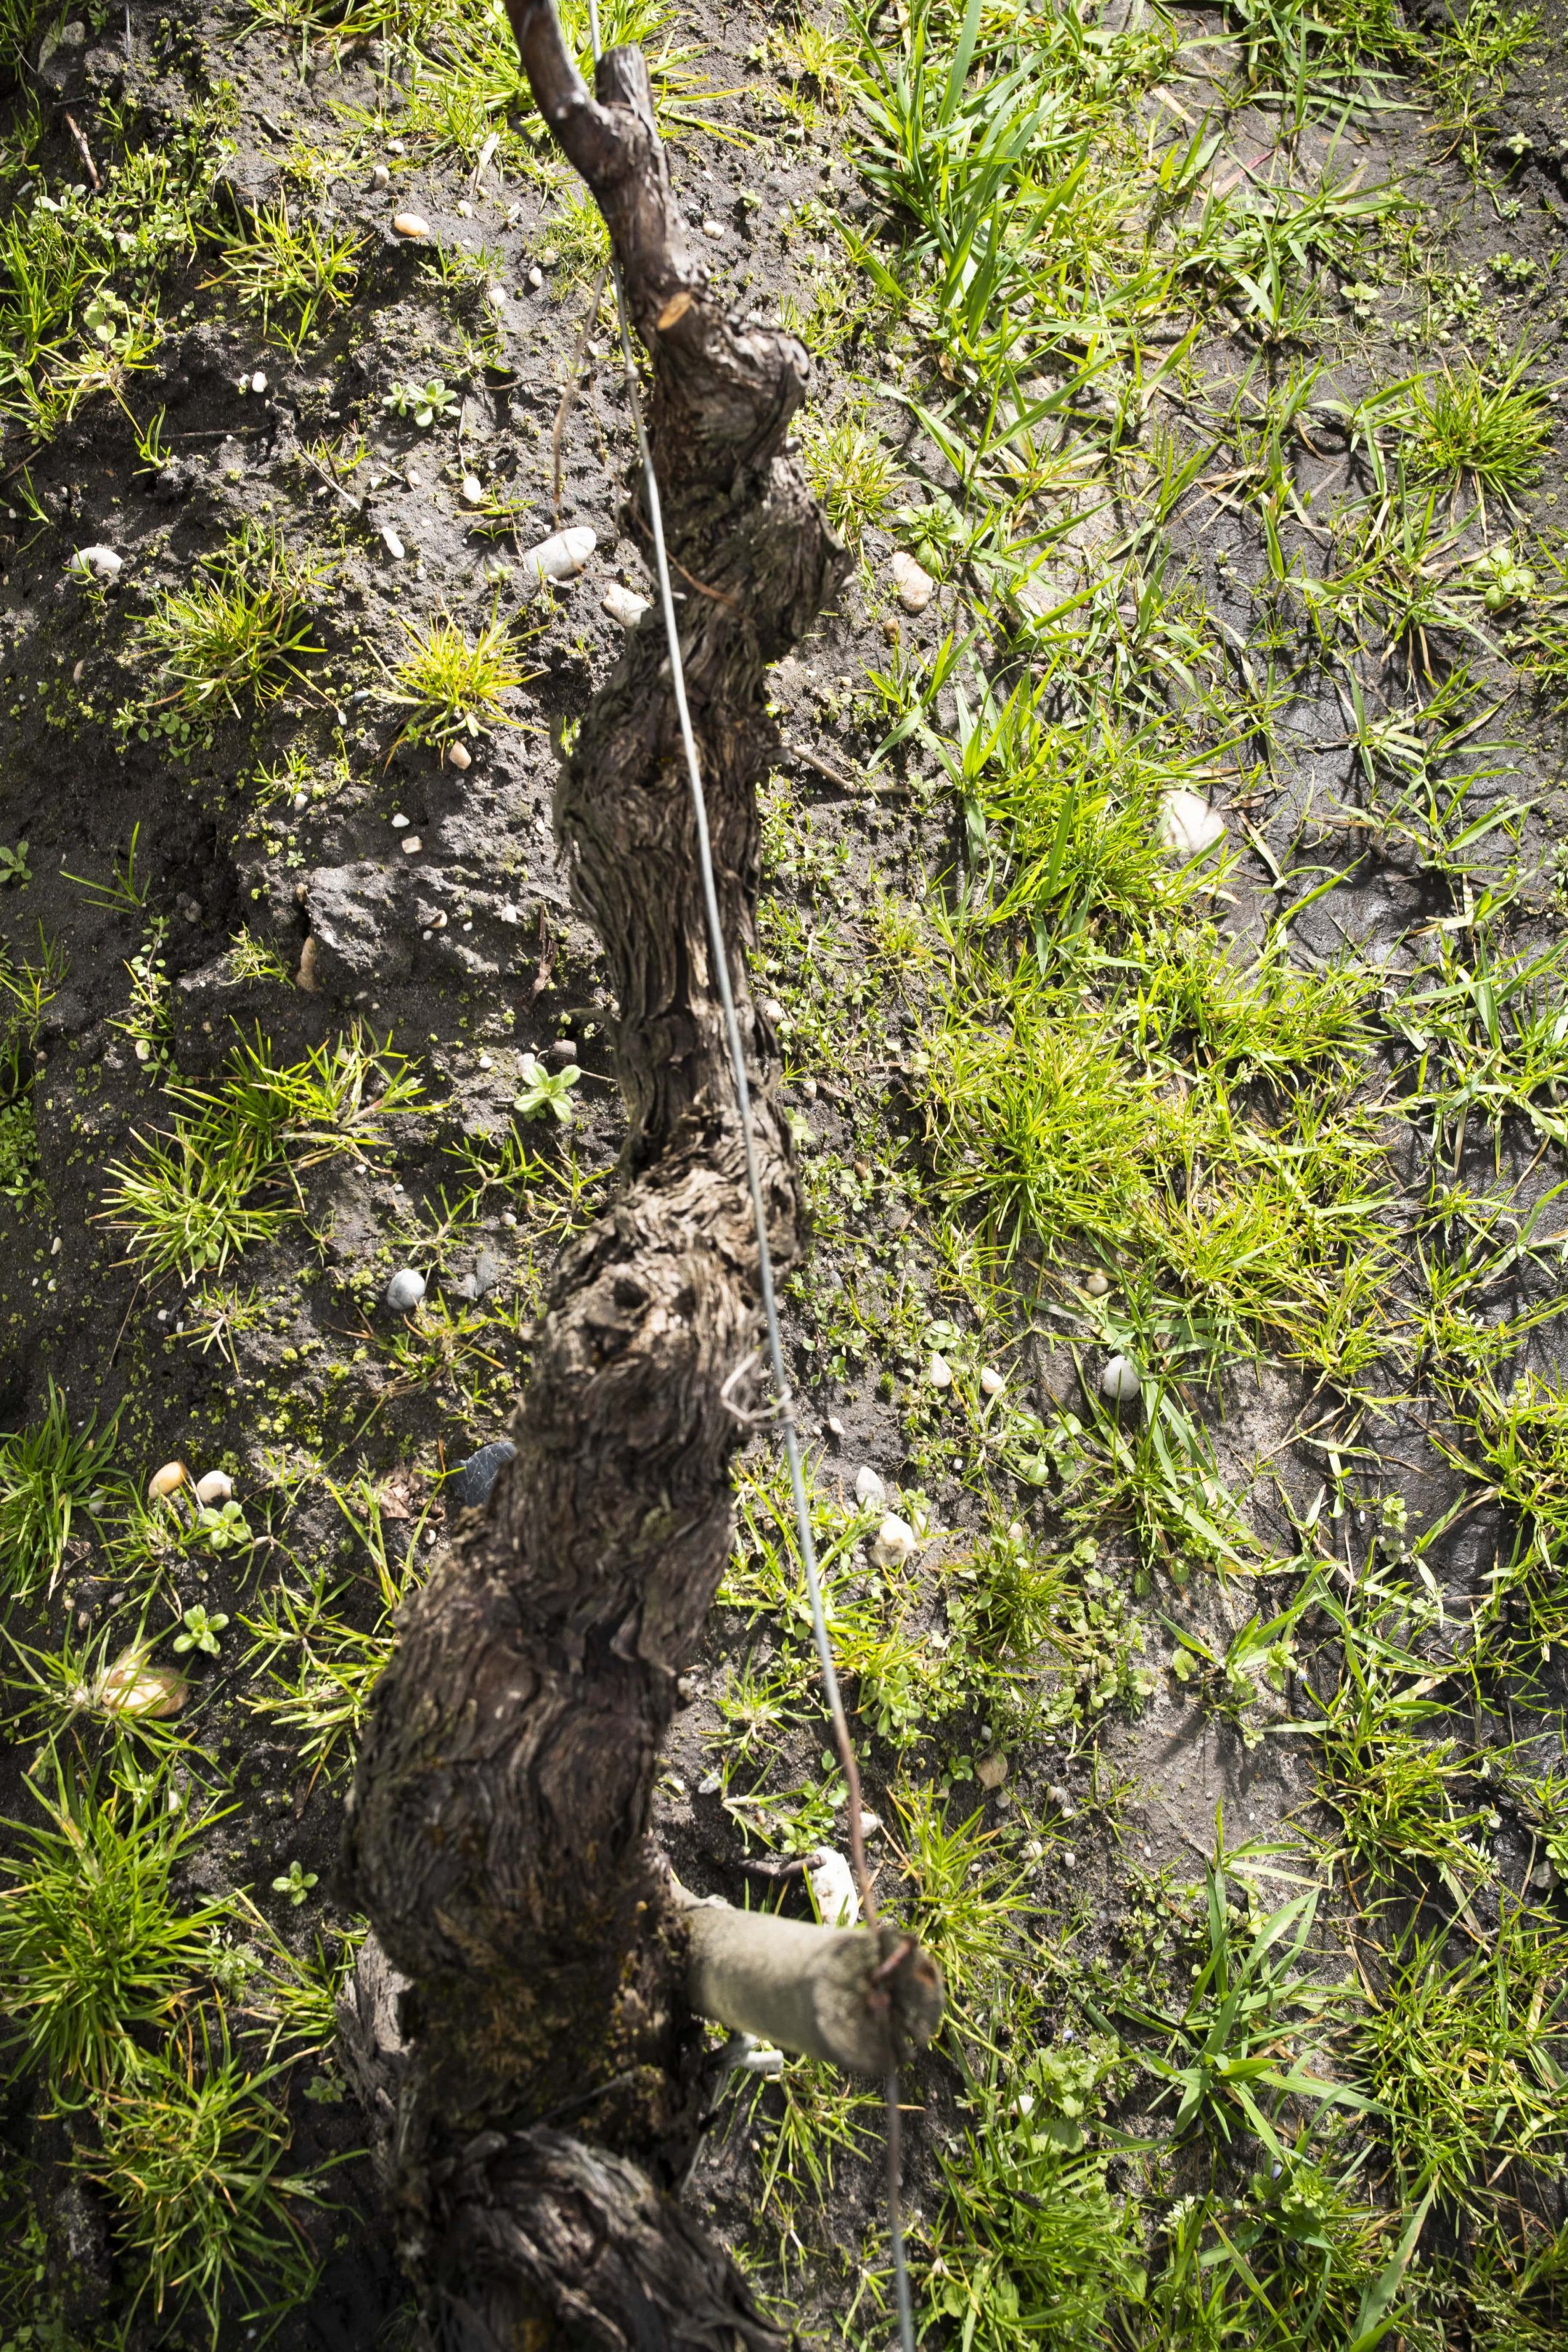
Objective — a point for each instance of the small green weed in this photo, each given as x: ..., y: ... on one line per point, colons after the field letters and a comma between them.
x: 94, y: 1952
x: 422, y: 402
x: 291, y: 274
x: 49, y: 1476
x: 190, y: 2154
x: 453, y: 686
x: 241, y: 631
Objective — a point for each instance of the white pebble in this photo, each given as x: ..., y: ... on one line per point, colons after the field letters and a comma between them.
x: 1120, y: 1381
x: 465, y: 209
x: 993, y: 1382
x: 938, y: 1372
x: 381, y: 177
x: 164, y: 1481
x: 473, y: 490
x: 624, y: 604
x: 405, y: 1290
x: 1189, y: 828
x: 869, y: 1490
x: 712, y: 228
x: 459, y: 756
x: 412, y: 844
x: 536, y: 278
x: 833, y: 1883
x: 216, y: 1486
x: 1097, y: 1285
x: 258, y: 382
x: 95, y: 563
x: 560, y: 556
x: 990, y: 1770
x: 495, y: 295
x: 411, y: 225
x: 399, y: 822
x: 896, y: 1542
x: 392, y: 543
x: 913, y: 583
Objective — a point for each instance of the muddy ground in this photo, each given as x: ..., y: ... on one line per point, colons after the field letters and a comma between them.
x: 442, y: 925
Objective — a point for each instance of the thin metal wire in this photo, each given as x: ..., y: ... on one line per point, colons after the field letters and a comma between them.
x: 783, y: 1390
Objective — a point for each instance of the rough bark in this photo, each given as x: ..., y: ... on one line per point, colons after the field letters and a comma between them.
x: 530, y: 1964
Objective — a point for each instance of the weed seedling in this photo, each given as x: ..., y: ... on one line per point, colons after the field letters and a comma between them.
x: 295, y: 1884
x: 201, y: 1633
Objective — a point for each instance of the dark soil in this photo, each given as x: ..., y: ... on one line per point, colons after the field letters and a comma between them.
x: 276, y: 828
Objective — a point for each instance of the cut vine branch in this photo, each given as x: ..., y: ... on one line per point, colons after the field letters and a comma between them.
x: 524, y: 2021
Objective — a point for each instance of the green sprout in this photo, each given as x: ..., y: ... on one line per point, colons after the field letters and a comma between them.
x: 201, y: 1632
x: 545, y: 1090
x: 423, y: 402
x: 296, y: 1884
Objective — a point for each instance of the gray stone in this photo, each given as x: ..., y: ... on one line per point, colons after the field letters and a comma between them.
x: 469, y: 1484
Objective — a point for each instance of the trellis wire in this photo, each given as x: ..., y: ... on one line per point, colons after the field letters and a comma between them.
x: 783, y: 1394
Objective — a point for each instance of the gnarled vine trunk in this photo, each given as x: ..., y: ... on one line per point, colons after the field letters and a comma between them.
x: 535, y: 2056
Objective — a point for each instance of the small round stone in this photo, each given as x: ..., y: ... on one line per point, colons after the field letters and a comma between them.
x: 469, y: 1484
x: 216, y: 1486
x: 412, y: 844
x: 1097, y: 1285
x: 1189, y: 828
x: 992, y: 1381
x: 990, y: 1770
x: 100, y: 563
x: 624, y: 604
x: 912, y: 583
x: 869, y: 1491
x: 473, y: 490
x: 164, y: 1481
x: 258, y: 382
x: 560, y: 556
x: 405, y: 1290
x: 1120, y: 1381
x: 459, y: 756
x: 938, y: 1372
x: 413, y: 225
x: 896, y: 1542
x: 381, y: 177
x: 131, y: 1686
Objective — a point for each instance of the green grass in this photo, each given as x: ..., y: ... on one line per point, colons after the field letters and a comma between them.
x: 1463, y: 2052
x: 293, y: 275
x: 226, y: 1175
x: 206, y: 2221
x: 52, y: 1477
x: 98, y: 1958
x: 1466, y: 428
x: 453, y: 686
x: 243, y: 630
